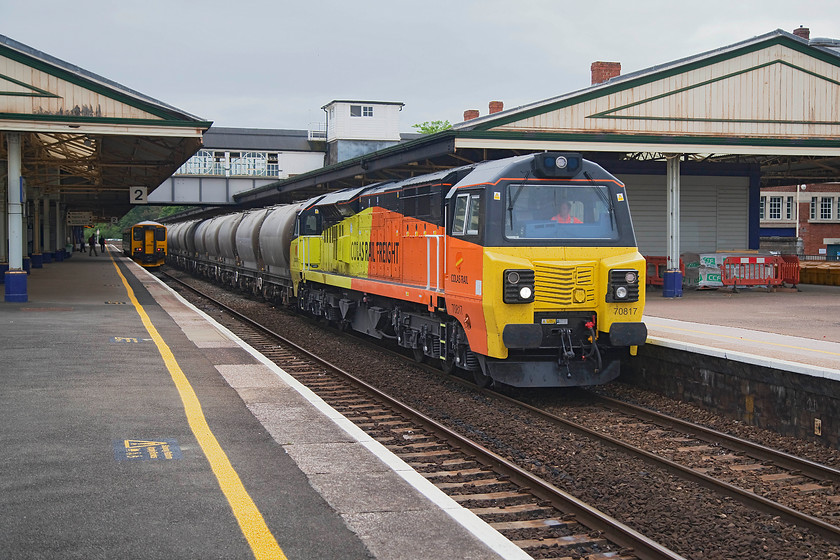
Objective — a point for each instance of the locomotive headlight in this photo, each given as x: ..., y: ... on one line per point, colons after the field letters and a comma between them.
x: 623, y: 286
x: 561, y: 162
x: 518, y: 286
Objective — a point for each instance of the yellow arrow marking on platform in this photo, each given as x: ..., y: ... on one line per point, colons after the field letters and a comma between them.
x: 251, y: 522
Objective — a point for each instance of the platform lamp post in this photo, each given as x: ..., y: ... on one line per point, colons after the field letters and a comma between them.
x: 15, y: 276
x: 672, y: 282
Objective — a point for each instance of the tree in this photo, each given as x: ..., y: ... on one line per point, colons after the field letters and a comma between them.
x: 430, y: 127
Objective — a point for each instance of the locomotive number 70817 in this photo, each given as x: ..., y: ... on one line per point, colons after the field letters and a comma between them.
x: 624, y: 310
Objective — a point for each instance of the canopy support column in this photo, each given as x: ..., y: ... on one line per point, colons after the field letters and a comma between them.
x: 673, y: 276
x: 15, y: 277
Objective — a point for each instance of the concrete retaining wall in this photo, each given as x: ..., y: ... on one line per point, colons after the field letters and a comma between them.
x: 788, y: 403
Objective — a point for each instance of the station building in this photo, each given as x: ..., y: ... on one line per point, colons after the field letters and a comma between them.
x: 695, y: 141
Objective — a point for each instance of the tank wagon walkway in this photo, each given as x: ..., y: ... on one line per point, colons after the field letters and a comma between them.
x: 127, y: 436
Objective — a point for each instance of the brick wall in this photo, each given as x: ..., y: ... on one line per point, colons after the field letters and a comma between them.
x: 812, y: 233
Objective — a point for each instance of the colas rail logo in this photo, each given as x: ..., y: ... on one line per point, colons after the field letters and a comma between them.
x: 458, y: 278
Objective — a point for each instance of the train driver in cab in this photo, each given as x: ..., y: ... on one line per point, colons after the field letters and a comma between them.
x: 564, y: 215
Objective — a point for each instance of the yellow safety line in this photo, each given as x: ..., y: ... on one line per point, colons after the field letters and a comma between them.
x: 251, y: 522
x: 747, y: 339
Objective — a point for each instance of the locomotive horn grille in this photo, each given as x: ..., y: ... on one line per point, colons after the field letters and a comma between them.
x: 556, y: 284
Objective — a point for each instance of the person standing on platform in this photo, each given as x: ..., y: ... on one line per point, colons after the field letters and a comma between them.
x: 102, y: 243
x: 92, y: 245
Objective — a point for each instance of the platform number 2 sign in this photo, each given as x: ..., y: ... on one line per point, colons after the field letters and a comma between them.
x: 138, y: 195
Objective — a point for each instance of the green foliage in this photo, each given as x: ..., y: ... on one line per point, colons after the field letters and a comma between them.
x: 137, y: 214
x: 430, y: 127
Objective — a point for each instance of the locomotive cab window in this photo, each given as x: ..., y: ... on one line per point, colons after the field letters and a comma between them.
x: 467, y: 216
x: 560, y: 212
x: 309, y: 224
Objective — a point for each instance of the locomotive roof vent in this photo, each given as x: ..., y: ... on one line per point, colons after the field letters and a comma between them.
x: 557, y: 164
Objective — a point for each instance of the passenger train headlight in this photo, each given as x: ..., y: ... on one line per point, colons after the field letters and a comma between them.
x: 518, y: 286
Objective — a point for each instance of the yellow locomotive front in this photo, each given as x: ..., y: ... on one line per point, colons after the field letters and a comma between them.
x: 561, y: 280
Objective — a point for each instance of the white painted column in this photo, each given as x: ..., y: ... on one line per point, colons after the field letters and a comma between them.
x: 15, y: 208
x: 36, y: 224
x: 60, y: 236
x: 673, y: 284
x: 47, y: 226
x: 4, y: 256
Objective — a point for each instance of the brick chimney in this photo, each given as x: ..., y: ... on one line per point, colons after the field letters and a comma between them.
x: 803, y: 32
x: 496, y: 107
x: 603, y: 71
x: 470, y: 114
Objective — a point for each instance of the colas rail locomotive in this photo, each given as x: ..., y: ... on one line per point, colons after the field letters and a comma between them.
x: 523, y: 270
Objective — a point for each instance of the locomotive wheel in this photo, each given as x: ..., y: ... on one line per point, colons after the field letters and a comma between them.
x: 418, y: 355
x: 481, y: 379
x: 448, y: 365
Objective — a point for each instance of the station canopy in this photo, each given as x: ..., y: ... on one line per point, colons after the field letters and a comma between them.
x: 86, y: 140
x: 772, y: 101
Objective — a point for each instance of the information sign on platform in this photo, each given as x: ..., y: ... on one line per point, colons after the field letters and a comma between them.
x: 79, y: 218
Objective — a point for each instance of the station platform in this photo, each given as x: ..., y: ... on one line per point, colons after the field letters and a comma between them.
x: 795, y: 330
x: 134, y: 426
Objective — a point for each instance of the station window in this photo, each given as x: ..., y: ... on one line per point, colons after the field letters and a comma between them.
x: 361, y: 110
x: 762, y: 206
x: 813, y: 208
x: 826, y: 208
x: 789, y: 208
x: 775, y: 208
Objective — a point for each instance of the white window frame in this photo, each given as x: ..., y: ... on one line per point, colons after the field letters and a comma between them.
x: 826, y: 207
x: 774, y: 208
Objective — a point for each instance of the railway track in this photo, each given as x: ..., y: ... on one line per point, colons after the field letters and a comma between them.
x: 540, y: 518
x: 731, y: 466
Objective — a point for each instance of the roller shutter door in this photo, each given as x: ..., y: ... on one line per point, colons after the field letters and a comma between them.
x: 713, y: 213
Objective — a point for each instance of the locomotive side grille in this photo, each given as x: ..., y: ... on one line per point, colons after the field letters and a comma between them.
x: 555, y: 284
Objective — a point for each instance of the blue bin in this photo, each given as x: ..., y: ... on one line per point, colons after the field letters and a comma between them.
x: 672, y: 284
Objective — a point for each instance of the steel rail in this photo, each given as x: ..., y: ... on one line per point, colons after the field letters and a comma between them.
x: 751, y: 499
x: 755, y: 450
x: 612, y: 529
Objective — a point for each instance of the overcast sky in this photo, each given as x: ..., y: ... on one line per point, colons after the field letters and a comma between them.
x: 274, y: 64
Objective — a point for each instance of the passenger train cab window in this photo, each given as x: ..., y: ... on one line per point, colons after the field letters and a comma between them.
x: 160, y: 234
x: 467, y: 217
x: 138, y: 233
